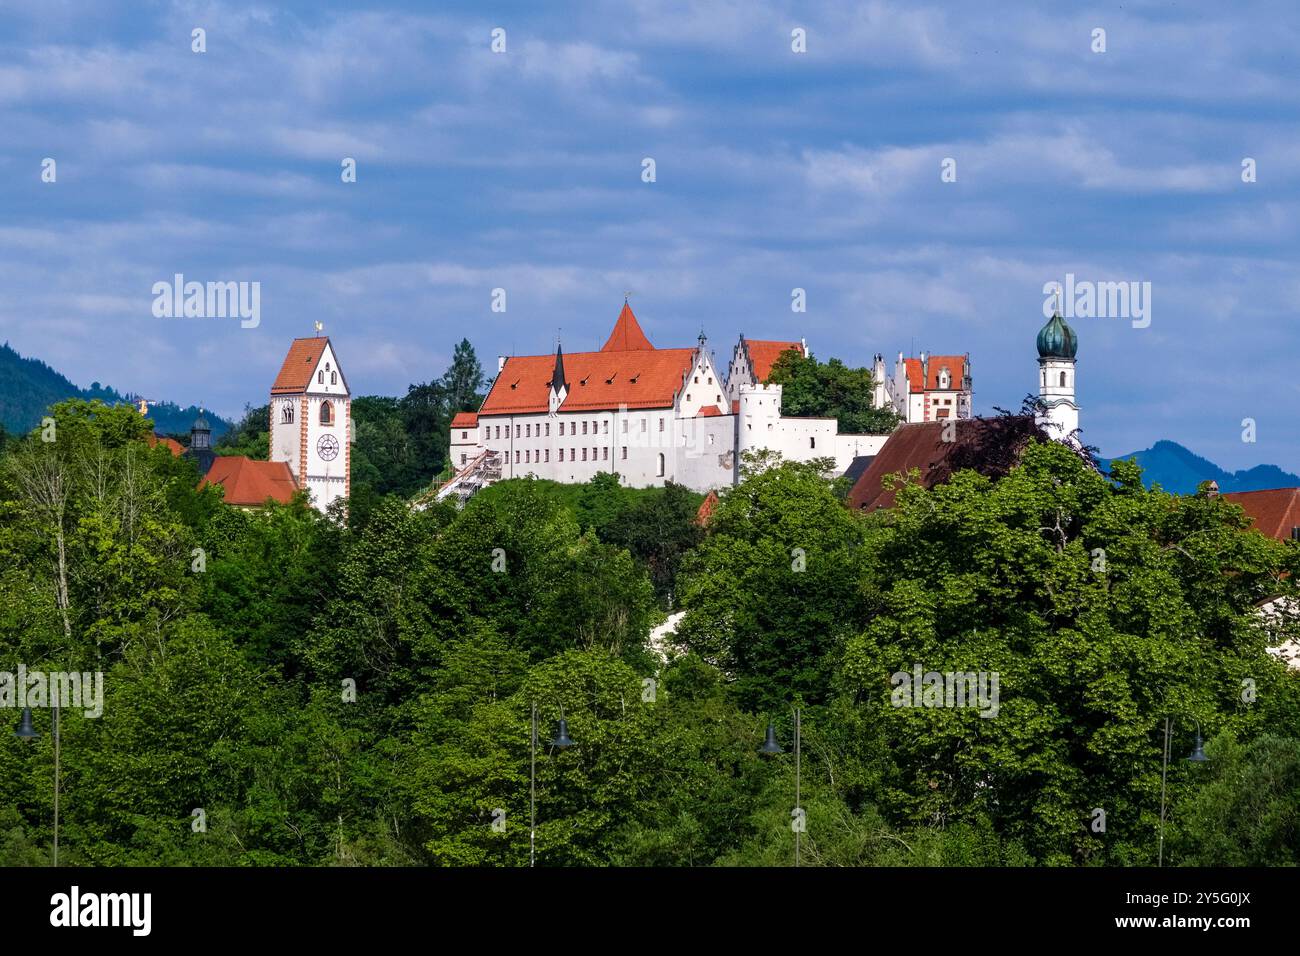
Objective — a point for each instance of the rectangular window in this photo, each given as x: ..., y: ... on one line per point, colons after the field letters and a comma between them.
x: 584, y: 427
x: 498, y: 431
x: 625, y: 452
x: 464, y: 435
x: 548, y: 455
x: 604, y: 454
x: 528, y: 431
x: 462, y: 459
x: 605, y: 430
x: 661, y: 424
x: 584, y: 452
x: 561, y: 429
x: 548, y: 429
x: 561, y: 454
x: 516, y: 456
x: 528, y: 456
x: 643, y: 425
x: 516, y: 431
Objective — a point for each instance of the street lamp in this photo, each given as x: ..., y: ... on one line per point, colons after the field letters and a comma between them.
x: 771, y: 748
x: 1196, y: 756
x: 26, y: 731
x: 563, y: 741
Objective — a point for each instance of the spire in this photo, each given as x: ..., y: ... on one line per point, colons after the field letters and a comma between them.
x: 627, y: 335
x: 557, y: 377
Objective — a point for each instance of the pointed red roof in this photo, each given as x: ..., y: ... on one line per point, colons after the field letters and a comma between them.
x: 627, y: 335
x: 604, y: 380
x: 295, y: 374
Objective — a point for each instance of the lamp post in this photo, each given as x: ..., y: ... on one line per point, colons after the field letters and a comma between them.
x: 770, y: 748
x: 564, y: 742
x: 26, y: 731
x: 1196, y: 756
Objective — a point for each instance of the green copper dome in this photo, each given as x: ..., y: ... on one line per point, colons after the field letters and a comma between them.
x: 1057, y: 340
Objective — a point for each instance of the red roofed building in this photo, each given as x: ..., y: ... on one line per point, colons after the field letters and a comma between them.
x: 311, y: 420
x: 651, y: 415
x: 1275, y: 513
x: 928, y: 388
x: 250, y: 484
x: 752, y: 361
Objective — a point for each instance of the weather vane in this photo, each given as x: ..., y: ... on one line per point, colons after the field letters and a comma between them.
x: 319, y: 326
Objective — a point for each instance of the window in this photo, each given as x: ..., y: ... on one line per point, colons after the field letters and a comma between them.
x: 625, y: 426
x: 528, y: 456
x: 498, y: 431
x: 643, y: 426
x: 710, y: 379
x: 561, y: 429
x: 516, y: 431
x: 1062, y: 380
x: 697, y: 380
x: 688, y: 394
x: 625, y: 452
x: 605, y: 429
x: 660, y: 472
x: 584, y: 427
x: 516, y: 456
x: 334, y: 378
x: 812, y: 441
x: 464, y: 436
x: 528, y: 431
x: 548, y: 455
x: 661, y: 424
x: 286, y: 414
x: 561, y: 454
x: 320, y: 377
x: 462, y: 458
x: 584, y: 452
x: 604, y: 454
x: 711, y: 437
x: 548, y: 429
x: 326, y: 413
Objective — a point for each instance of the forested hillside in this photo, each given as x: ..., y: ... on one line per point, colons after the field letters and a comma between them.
x: 284, y: 688
x: 28, y: 387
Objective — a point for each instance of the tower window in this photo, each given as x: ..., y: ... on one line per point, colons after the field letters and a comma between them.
x: 286, y: 414
x: 1062, y: 380
x: 326, y: 413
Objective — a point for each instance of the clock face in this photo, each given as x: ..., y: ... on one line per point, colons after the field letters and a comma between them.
x: 327, y: 447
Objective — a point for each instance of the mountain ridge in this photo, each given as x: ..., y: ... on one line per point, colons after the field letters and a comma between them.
x: 28, y: 387
x: 1179, y: 470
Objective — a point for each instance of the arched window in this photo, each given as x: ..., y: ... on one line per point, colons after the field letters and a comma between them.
x: 320, y: 377
x: 1062, y: 380
x: 326, y: 413
x: 286, y: 414
x: 334, y: 378
x: 660, y: 472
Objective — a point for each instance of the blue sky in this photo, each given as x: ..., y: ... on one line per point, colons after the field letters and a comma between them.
x: 774, y: 171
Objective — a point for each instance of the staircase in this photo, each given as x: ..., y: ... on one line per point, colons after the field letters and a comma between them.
x: 474, y: 477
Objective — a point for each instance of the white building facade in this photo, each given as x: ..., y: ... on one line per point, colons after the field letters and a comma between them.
x: 927, y: 388
x: 310, y: 426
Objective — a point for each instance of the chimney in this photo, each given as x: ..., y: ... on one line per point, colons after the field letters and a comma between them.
x: 501, y: 363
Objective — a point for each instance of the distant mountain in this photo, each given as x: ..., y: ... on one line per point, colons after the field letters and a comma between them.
x: 1175, y: 469
x: 28, y: 387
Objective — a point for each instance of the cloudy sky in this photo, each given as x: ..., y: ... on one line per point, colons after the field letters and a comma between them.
x: 774, y: 170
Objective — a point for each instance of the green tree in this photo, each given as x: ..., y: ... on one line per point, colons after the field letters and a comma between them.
x: 814, y: 389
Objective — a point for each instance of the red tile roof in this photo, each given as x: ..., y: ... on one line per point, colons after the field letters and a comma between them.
x: 171, y: 444
x: 597, y: 381
x: 705, y: 511
x: 1275, y: 512
x: 465, y: 420
x: 250, y: 483
x: 763, y: 355
x: 956, y: 369
x: 989, y: 445
x: 295, y: 374
x: 708, y: 411
x: 627, y: 335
